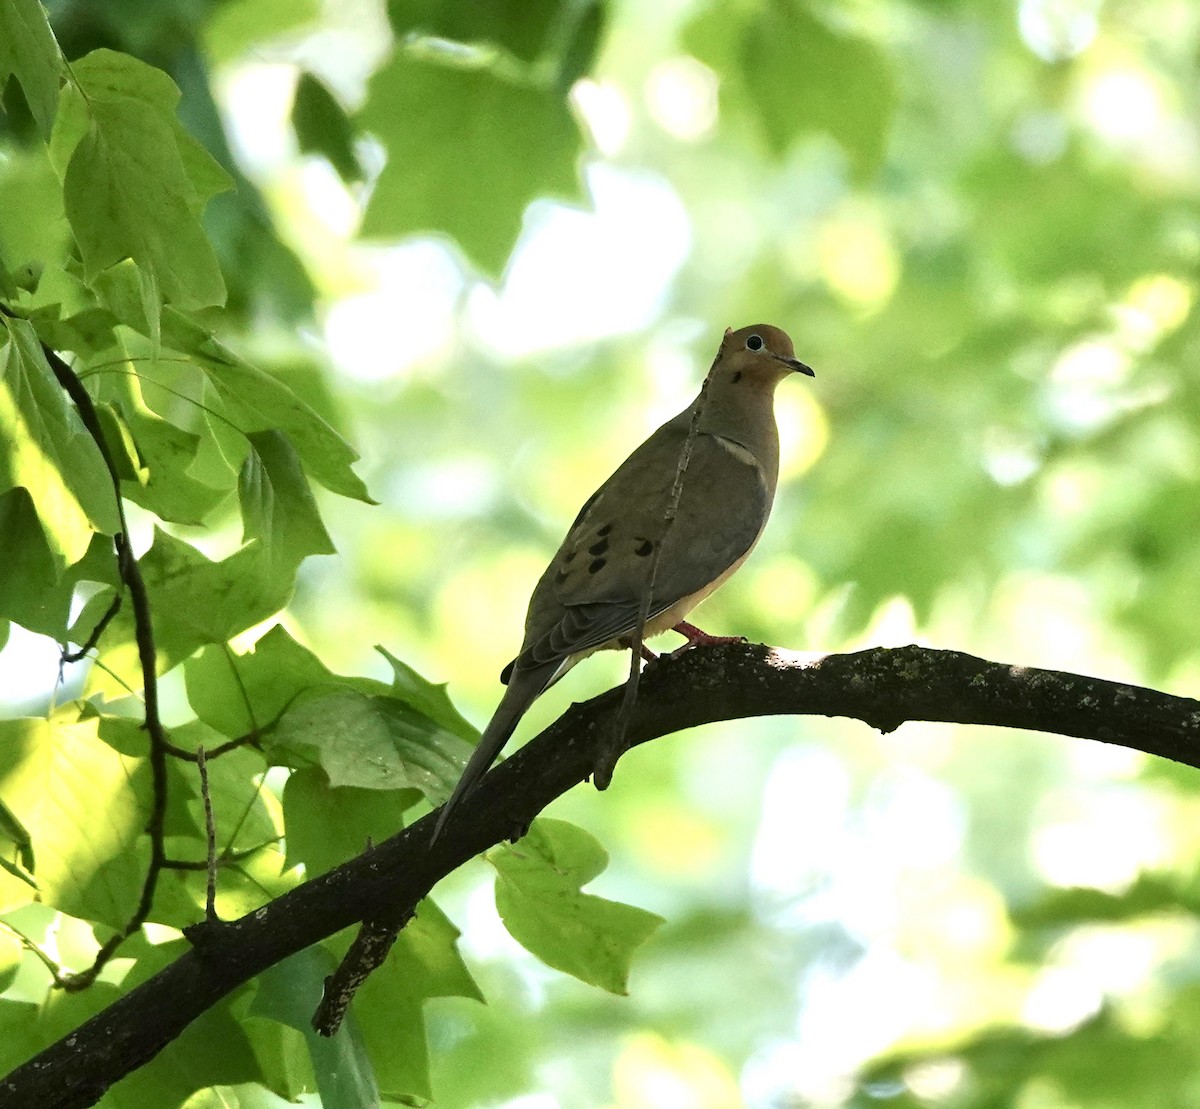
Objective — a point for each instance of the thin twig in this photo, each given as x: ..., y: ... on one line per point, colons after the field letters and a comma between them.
x: 210, y: 832
x: 35, y: 949
x: 185, y: 755
x: 608, y: 758
x: 224, y: 858
x: 66, y: 656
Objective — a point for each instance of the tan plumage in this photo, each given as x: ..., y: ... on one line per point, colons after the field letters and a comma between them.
x: 589, y: 597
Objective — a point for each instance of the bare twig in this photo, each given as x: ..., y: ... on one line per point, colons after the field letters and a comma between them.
x: 66, y: 656
x: 185, y: 755
x: 35, y: 949
x: 607, y: 761
x: 210, y: 834
x: 224, y: 858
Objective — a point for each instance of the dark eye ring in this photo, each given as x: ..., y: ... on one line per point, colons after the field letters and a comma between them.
x: 754, y: 342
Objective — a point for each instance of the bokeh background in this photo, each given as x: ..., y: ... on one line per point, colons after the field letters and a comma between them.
x: 980, y: 222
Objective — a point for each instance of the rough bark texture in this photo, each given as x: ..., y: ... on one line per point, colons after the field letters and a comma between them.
x: 881, y: 687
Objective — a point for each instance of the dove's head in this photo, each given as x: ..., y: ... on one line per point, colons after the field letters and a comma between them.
x: 759, y: 355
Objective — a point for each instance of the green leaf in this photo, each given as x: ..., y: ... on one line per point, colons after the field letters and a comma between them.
x: 27, y: 593
x: 167, y: 454
x: 194, y: 601
x: 75, y: 797
x: 278, y: 507
x: 583, y: 42
x: 525, y: 28
x: 792, y: 74
x: 28, y: 51
x: 372, y: 742
x: 847, y: 89
x: 539, y: 897
x: 353, y: 728
x: 327, y: 825
x: 19, y: 1036
x: 10, y: 958
x: 127, y: 186
x: 524, y: 144
x: 49, y: 450
x: 428, y: 698
x: 288, y: 993
x: 322, y: 127
x: 236, y: 27
x: 238, y: 694
x: 244, y: 1096
x: 257, y: 401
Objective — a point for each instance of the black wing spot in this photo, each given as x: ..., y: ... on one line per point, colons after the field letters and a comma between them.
x: 568, y: 557
x: 737, y: 376
x: 643, y: 548
x: 599, y: 547
x: 596, y: 565
x: 560, y: 577
x: 604, y: 530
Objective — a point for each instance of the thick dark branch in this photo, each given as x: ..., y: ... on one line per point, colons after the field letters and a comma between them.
x: 882, y: 687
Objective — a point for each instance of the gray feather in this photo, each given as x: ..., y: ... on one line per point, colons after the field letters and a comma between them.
x: 524, y: 687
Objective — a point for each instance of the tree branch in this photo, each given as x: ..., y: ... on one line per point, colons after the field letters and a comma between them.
x: 130, y: 574
x: 882, y: 687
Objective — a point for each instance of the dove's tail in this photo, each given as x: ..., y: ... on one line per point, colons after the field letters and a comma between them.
x: 524, y: 687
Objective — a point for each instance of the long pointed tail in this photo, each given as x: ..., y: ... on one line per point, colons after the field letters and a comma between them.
x: 524, y: 687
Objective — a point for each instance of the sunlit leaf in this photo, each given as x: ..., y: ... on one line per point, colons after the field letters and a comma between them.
x: 539, y: 896
x: 51, y: 452
x: 525, y: 144
x: 278, y: 505
x: 195, y: 601
x: 127, y: 187
x: 239, y: 693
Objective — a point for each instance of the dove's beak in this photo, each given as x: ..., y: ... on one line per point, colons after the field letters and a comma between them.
x: 796, y: 364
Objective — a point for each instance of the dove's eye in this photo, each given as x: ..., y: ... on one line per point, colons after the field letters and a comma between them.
x: 754, y: 342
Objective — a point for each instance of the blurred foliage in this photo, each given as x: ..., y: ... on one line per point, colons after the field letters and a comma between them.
x: 492, y: 245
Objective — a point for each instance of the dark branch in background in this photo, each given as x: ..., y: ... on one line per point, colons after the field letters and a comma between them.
x: 882, y: 687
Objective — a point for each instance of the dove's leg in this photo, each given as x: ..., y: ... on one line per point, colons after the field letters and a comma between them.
x: 697, y: 638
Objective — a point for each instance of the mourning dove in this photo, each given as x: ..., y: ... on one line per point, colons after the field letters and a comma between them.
x: 707, y: 515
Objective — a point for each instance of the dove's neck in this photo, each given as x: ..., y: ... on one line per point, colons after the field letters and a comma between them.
x: 743, y: 416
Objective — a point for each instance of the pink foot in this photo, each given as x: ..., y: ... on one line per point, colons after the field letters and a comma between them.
x: 696, y: 637
x: 648, y: 654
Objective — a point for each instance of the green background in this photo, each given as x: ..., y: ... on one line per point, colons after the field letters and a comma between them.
x: 493, y: 245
